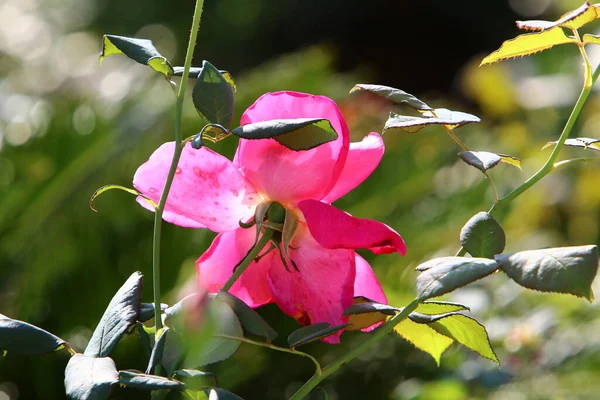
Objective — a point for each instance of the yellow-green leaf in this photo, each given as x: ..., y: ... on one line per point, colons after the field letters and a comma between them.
x: 424, y: 338
x: 140, y: 50
x: 588, y: 38
x: 514, y: 161
x: 574, y: 19
x: 529, y: 43
x: 123, y: 188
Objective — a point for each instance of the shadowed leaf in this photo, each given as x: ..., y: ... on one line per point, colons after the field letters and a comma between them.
x: 194, y: 379
x: 365, y: 313
x: 90, y: 378
x: 139, y: 380
x: 213, y: 96
x: 140, y: 50
x: 220, y: 394
x: 249, y: 318
x: 395, y: 95
x: 26, y: 339
x: 157, y: 351
x: 443, y: 275
x: 411, y: 124
x: 147, y: 311
x: 482, y: 236
x: 482, y: 160
x: 529, y: 43
x: 568, y: 270
x: 313, y: 332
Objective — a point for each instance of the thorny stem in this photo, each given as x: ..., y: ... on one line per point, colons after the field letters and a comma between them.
x: 374, y: 337
x: 264, y: 240
x: 176, y: 154
x: 277, y: 348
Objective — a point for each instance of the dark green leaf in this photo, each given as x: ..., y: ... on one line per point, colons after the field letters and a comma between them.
x: 482, y: 236
x: 365, y: 313
x: 443, y: 275
x: 440, y: 307
x: 213, y: 96
x: 147, y: 311
x: 562, y: 269
x: 313, y: 332
x: 466, y: 331
x: 26, y: 339
x: 119, y: 315
x: 482, y: 160
x: 410, y: 124
x: 194, y: 379
x: 424, y: 338
x: 157, y: 351
x: 194, y: 71
x: 220, y: 394
x: 249, y: 318
x: 395, y: 95
x: 145, y: 339
x: 585, y: 143
x: 428, y: 318
x: 140, y: 50
x: 369, y: 307
x: 173, y: 313
x: 295, y: 134
x: 174, y: 353
x: 138, y: 380
x: 90, y: 378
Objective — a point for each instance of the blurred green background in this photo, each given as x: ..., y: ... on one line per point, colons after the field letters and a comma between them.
x: 69, y: 125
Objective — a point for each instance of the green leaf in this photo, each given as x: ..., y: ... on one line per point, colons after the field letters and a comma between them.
x: 26, y: 339
x: 220, y: 394
x: 90, y: 378
x: 568, y: 270
x: 364, y: 313
x: 514, y: 161
x: 428, y: 318
x: 145, y: 339
x: 482, y: 236
x: 121, y: 313
x: 295, y: 134
x: 194, y: 379
x: 175, y: 353
x: 585, y: 143
x: 123, y: 188
x: 466, y: 331
x: 424, y: 338
x: 213, y: 96
x: 249, y: 318
x: 147, y: 311
x: 574, y: 19
x: 410, y: 124
x: 395, y: 95
x: 157, y: 351
x: 443, y: 275
x: 140, y: 50
x: 173, y: 313
x: 588, y: 38
x: 313, y: 332
x: 482, y: 160
x: 139, y: 380
x: 529, y: 43
x: 370, y: 307
x: 194, y: 71
x: 440, y: 307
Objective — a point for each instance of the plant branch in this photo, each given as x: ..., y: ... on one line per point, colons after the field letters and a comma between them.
x: 252, y: 254
x: 374, y: 337
x: 276, y: 348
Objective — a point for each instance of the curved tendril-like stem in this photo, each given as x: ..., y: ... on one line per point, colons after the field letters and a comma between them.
x: 241, y: 267
x: 489, y: 178
x: 459, y: 142
x: 174, y: 162
x: 373, y: 338
x: 318, y: 370
x: 584, y: 160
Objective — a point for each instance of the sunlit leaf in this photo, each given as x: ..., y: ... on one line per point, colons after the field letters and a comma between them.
x: 295, y: 134
x: 395, y: 95
x: 482, y: 160
x: 313, y: 332
x: 123, y: 188
x: 588, y: 38
x: 139, y: 380
x: 213, y: 96
x: 443, y: 275
x: 424, y: 338
x: 220, y: 394
x: 561, y: 269
x: 26, y: 339
x: 466, y: 331
x: 574, y: 19
x: 121, y: 313
x: 250, y: 319
x: 585, y: 143
x: 529, y: 43
x: 483, y: 236
x: 411, y: 124
x: 440, y: 307
x: 364, y: 313
x: 514, y: 161
x: 90, y: 378
x: 140, y: 50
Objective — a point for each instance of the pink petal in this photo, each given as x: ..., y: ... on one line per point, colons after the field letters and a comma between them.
x: 363, y: 158
x: 215, y: 266
x: 322, y: 288
x: 207, y: 191
x: 366, y: 283
x: 336, y: 229
x: 285, y: 175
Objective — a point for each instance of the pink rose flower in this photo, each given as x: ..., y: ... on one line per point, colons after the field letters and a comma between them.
x: 209, y: 191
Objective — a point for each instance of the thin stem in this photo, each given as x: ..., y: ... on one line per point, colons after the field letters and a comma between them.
x: 374, y: 337
x: 176, y: 154
x: 264, y: 240
x: 459, y: 142
x: 565, y: 163
x: 277, y: 348
x: 489, y: 178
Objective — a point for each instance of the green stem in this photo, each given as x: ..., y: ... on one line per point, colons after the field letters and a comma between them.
x: 374, y: 337
x: 176, y: 154
x: 459, y: 142
x: 249, y: 258
x: 277, y: 348
x: 584, y: 160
